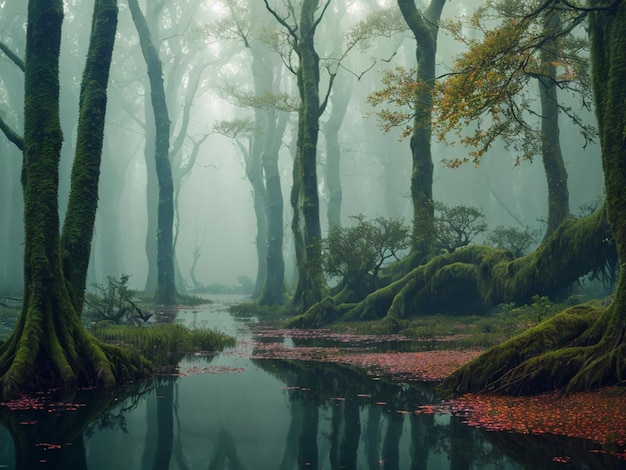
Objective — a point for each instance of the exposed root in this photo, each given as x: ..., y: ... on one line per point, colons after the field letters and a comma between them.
x: 544, y: 358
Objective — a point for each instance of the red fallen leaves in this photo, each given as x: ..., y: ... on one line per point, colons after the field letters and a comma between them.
x: 32, y: 403
x: 195, y: 370
x: 428, y: 366
x: 357, y: 339
x: 599, y: 416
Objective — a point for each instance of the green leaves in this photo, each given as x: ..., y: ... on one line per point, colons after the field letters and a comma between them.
x: 456, y: 226
x: 351, y: 252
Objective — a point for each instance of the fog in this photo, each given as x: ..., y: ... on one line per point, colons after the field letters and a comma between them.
x: 215, y: 214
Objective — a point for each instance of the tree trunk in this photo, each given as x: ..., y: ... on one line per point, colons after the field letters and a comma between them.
x: 254, y: 173
x: 49, y: 346
x: 340, y: 100
x: 83, y: 199
x: 166, y: 286
x: 556, y: 174
x: 425, y: 29
x: 305, y: 198
x: 274, y: 289
x: 342, y: 91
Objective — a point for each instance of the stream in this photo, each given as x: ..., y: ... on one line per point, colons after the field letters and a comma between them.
x: 238, y: 411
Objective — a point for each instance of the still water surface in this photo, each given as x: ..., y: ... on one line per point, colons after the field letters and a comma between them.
x: 234, y: 412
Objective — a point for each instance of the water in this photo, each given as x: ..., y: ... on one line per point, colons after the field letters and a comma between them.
x: 233, y: 412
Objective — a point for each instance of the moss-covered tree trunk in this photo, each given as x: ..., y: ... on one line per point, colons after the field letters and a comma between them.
x: 554, y: 166
x: 305, y: 199
x: 580, y: 348
x: 424, y: 27
x: 83, y: 200
x: 166, y: 283
x: 478, y: 278
x: 49, y: 346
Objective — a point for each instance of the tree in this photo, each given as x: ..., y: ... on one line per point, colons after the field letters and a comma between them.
x: 457, y: 226
x: 166, y: 283
x: 304, y: 196
x: 587, y: 345
x: 424, y: 26
x: 416, y: 92
x: 487, y: 90
x: 49, y: 347
x: 356, y: 254
x: 272, y: 109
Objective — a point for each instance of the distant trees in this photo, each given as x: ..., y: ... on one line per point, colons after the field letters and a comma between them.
x: 166, y: 284
x: 517, y: 241
x: 271, y: 107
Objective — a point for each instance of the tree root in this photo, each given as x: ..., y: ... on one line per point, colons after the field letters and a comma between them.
x: 547, y: 357
x: 53, y: 350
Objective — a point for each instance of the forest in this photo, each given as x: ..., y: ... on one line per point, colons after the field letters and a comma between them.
x: 335, y: 160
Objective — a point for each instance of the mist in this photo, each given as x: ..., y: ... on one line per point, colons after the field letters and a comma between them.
x: 203, y: 60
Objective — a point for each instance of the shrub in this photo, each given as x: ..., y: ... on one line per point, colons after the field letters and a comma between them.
x: 356, y: 254
x: 516, y: 240
x: 114, y: 302
x: 456, y: 226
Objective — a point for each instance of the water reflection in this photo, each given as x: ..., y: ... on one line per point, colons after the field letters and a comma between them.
x: 233, y: 412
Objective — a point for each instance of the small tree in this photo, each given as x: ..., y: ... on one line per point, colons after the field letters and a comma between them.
x: 514, y: 239
x: 456, y: 226
x: 356, y: 254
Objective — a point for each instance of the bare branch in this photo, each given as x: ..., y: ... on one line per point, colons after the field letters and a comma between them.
x: 12, y: 135
x: 12, y: 55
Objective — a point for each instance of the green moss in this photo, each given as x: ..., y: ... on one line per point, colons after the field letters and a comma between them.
x: 511, y: 365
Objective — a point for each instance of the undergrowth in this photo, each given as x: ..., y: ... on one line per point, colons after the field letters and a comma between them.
x: 164, y: 344
x: 466, y: 331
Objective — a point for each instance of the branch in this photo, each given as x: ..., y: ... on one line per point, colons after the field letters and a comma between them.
x: 317, y: 21
x: 292, y: 30
x: 325, y: 101
x: 12, y: 55
x: 12, y: 135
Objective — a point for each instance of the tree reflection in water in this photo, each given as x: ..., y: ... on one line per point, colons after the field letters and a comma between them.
x: 276, y: 414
